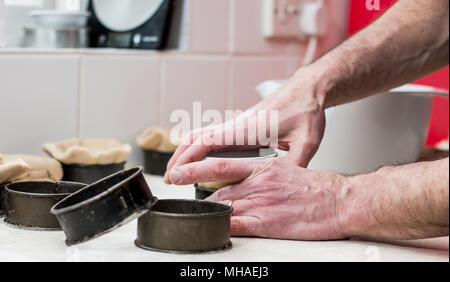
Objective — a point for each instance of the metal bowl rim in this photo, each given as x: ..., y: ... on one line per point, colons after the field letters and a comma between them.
x: 41, y: 195
x: 190, y: 215
x: 227, y: 247
x: 58, y: 211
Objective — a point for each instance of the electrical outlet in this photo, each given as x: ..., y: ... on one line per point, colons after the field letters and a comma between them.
x: 281, y: 19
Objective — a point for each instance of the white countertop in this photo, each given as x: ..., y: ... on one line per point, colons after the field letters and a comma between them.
x: 20, y: 245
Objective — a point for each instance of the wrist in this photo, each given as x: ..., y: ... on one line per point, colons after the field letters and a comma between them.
x: 317, y: 81
x: 355, y: 205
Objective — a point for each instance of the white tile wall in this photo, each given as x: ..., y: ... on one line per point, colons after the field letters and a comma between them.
x: 187, y: 79
x: 209, y: 20
x: 38, y: 101
x: 119, y: 97
x: 52, y: 95
x: 247, y: 73
x: 247, y: 32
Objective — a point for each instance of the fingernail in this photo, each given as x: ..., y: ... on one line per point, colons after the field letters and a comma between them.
x: 176, y: 177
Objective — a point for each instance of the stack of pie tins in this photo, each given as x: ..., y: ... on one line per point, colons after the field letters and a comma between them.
x: 27, y: 204
x: 185, y: 226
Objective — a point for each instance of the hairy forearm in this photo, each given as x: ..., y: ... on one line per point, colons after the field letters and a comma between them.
x: 409, y: 41
x: 404, y: 202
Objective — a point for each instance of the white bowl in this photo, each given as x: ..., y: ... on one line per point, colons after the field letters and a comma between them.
x: 384, y: 129
x: 59, y: 19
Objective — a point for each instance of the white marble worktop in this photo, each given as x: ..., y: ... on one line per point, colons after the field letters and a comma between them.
x: 20, y: 245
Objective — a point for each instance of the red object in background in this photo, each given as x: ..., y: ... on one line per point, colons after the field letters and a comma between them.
x: 360, y: 17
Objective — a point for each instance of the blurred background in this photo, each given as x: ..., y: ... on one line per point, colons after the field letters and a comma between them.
x: 104, y: 68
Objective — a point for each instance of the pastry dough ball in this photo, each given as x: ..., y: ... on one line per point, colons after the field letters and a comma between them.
x: 156, y: 139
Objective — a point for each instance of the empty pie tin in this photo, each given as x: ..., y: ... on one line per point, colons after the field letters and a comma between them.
x: 185, y: 226
x: 156, y: 162
x: 85, y: 173
x: 104, y: 206
x: 28, y: 204
x: 202, y: 193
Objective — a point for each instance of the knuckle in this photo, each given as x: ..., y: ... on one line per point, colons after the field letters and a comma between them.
x: 221, y: 168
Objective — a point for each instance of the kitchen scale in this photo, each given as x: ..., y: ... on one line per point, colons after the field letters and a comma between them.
x: 133, y: 24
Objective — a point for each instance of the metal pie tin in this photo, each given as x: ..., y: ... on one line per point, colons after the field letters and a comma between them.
x: 104, y: 206
x: 202, y: 193
x: 156, y: 162
x: 253, y: 154
x: 28, y: 204
x: 84, y: 173
x: 185, y: 226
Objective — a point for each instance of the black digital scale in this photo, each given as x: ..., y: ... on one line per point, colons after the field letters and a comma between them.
x: 132, y: 24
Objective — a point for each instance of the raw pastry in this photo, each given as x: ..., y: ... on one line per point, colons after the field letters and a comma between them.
x: 35, y: 168
x: 88, y: 151
x: 10, y: 170
x: 156, y: 139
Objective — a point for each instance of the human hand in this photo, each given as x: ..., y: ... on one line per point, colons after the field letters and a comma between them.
x: 276, y: 199
x: 301, y: 124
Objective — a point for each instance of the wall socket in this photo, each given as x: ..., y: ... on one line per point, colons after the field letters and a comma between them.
x: 280, y: 19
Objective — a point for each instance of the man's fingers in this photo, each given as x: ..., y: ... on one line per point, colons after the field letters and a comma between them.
x: 179, y: 151
x: 187, y: 142
x: 212, y: 170
x: 245, y: 226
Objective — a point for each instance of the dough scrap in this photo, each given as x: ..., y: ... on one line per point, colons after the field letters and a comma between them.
x: 156, y: 139
x: 88, y: 151
x: 31, y: 168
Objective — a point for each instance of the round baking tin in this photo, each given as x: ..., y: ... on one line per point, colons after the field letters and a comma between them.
x: 28, y: 204
x: 185, y: 226
x: 253, y: 154
x: 104, y: 206
x: 202, y: 193
x: 88, y: 174
x: 156, y: 162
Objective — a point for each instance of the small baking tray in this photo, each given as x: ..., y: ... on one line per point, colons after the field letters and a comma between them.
x: 156, y: 162
x: 88, y: 174
x: 104, y: 206
x: 185, y: 226
x: 28, y: 204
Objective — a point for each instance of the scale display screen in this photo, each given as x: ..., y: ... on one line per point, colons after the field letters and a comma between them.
x: 121, y: 40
